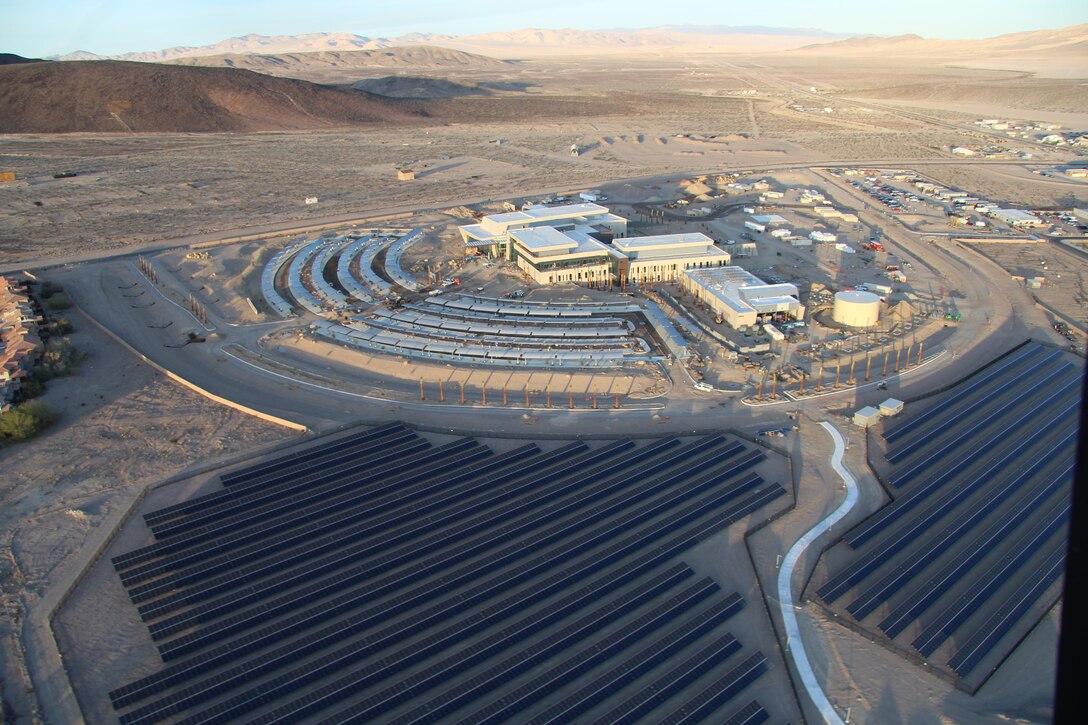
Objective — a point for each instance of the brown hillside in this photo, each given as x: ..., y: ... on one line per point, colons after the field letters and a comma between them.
x: 124, y: 96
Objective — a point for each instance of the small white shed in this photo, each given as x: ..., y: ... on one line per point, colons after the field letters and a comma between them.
x: 866, y: 417
x: 891, y: 406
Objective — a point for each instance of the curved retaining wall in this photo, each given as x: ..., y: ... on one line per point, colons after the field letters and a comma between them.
x: 267, y: 417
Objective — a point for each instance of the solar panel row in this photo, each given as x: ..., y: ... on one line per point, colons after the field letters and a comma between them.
x: 997, y: 428
x: 1008, y: 455
x: 964, y: 427
x: 751, y: 714
x: 989, y: 375
x: 999, y: 623
x: 342, y: 500
x: 460, y: 552
x: 721, y: 519
x: 316, y: 455
x: 440, y: 612
x: 915, y: 526
x: 344, y: 543
x: 626, y: 672
x: 329, y: 496
x: 226, y: 652
x: 985, y: 474
x: 721, y: 691
x: 931, y: 545
x: 374, y: 482
x: 502, y: 672
x: 287, y: 465
x: 655, y: 694
x: 952, y: 617
x: 492, y: 557
x: 461, y: 660
x: 269, y: 485
x: 922, y: 597
x: 388, y: 454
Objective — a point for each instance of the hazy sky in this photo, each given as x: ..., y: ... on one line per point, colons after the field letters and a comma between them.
x: 49, y: 27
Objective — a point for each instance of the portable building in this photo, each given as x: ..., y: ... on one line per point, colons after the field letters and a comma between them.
x: 866, y: 417
x: 891, y: 406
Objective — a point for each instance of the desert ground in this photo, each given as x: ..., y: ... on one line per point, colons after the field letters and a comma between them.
x: 763, y: 114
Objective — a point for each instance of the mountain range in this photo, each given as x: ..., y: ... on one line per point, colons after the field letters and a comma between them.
x: 1069, y: 43
x: 529, y: 41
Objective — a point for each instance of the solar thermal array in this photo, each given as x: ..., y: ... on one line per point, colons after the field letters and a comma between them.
x: 382, y: 578
x: 975, y: 537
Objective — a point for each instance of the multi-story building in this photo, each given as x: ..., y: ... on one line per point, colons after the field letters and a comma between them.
x: 554, y: 245
x: 492, y: 234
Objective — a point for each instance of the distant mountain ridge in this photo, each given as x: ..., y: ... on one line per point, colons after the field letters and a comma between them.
x: 1069, y: 42
x: 412, y: 56
x: 663, y: 36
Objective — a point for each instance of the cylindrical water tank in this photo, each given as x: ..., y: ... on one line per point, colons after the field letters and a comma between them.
x: 856, y: 309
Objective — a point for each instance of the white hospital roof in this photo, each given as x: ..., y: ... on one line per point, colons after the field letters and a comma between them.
x: 662, y: 240
x: 543, y: 239
x: 547, y: 212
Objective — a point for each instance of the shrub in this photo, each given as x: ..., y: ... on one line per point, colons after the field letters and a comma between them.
x: 59, y: 359
x: 25, y: 421
x: 48, y: 289
x: 58, y: 302
x: 31, y: 387
x: 61, y: 326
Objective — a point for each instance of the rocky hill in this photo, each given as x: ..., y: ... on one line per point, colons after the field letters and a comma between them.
x: 118, y: 96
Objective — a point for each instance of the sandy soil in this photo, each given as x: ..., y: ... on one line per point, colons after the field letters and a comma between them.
x: 122, y: 427
x: 135, y: 190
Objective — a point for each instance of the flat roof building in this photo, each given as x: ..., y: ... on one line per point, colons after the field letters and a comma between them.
x: 549, y: 256
x: 554, y: 245
x: 740, y: 297
x: 866, y: 417
x: 1018, y: 218
x: 664, y: 257
x: 493, y: 231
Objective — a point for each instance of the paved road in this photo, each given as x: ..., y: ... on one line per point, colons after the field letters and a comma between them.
x: 369, y: 216
x: 795, y: 646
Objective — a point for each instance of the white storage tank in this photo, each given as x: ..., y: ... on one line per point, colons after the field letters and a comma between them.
x: 856, y: 309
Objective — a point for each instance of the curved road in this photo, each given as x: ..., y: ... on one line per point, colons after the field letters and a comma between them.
x: 795, y: 646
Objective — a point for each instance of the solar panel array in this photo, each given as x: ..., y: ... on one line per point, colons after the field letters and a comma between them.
x: 975, y: 537
x: 381, y: 577
x: 466, y: 328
